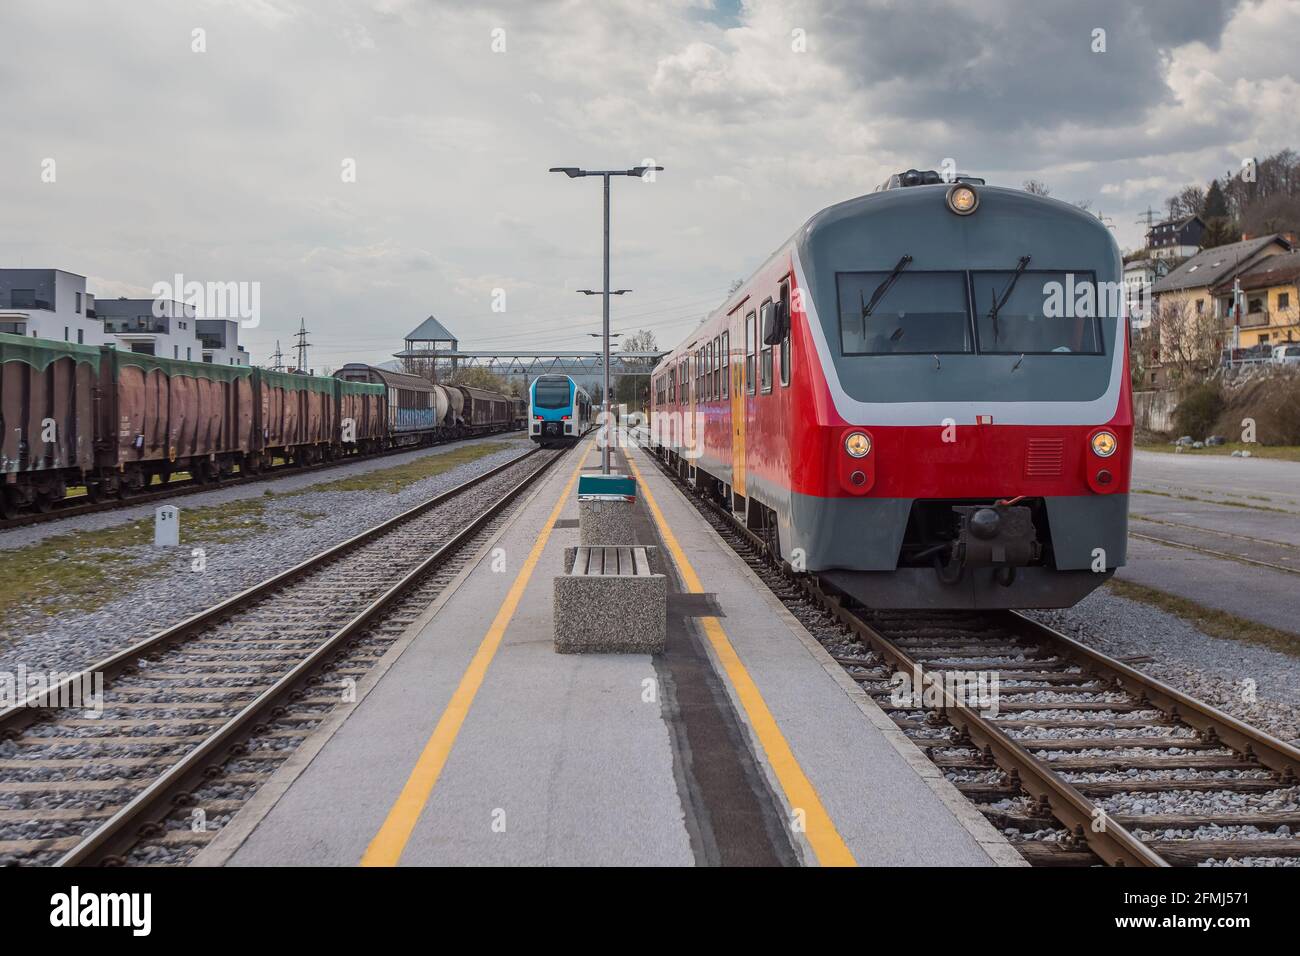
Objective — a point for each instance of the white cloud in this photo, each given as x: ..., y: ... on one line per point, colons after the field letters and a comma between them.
x: 226, y: 165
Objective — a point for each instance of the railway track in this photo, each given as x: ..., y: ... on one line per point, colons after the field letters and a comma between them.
x: 1284, y: 550
x: 1083, y: 760
x: 197, y: 717
x: 83, y: 505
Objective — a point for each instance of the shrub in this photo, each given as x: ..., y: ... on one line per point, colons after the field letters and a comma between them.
x: 1199, y: 409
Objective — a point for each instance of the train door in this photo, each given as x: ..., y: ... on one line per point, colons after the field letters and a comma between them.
x: 689, y: 438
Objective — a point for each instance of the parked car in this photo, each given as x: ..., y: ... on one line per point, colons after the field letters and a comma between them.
x: 1287, y: 354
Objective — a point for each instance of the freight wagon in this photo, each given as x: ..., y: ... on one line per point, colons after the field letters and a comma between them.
x: 421, y: 411
x: 114, y: 421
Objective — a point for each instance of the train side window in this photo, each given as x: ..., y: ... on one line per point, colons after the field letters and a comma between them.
x: 718, y: 366
x: 708, y: 370
x: 785, y: 342
x: 713, y: 370
x: 749, y: 353
x: 722, y: 367
x: 714, y: 366
x: 726, y: 364
x: 765, y: 365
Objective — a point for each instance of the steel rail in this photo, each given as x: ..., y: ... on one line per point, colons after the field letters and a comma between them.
x: 1215, y: 726
x: 1084, y: 819
x: 72, y: 507
x: 1226, y: 555
x: 1087, y: 823
x: 145, y: 814
x: 22, y: 714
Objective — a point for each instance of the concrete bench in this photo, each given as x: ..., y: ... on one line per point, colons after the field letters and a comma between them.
x: 610, y: 601
x: 607, y: 509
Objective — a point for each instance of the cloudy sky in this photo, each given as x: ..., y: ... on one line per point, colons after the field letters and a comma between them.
x: 226, y: 165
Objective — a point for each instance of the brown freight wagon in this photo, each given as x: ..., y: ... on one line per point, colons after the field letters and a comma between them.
x: 296, y: 417
x: 47, y: 435
x: 362, y: 424
x: 484, y: 410
x: 160, y: 415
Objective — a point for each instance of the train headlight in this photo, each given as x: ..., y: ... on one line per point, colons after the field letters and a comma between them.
x: 1104, y: 444
x: 857, y: 444
x: 963, y: 200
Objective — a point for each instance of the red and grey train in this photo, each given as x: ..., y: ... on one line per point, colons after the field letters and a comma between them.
x: 923, y: 396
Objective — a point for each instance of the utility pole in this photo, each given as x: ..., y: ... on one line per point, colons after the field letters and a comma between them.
x: 302, y: 345
x: 573, y: 172
x: 1236, y: 315
x: 1148, y: 217
x: 277, y: 360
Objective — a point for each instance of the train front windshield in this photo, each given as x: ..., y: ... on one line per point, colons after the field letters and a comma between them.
x: 915, y: 312
x: 551, y: 394
x: 928, y: 313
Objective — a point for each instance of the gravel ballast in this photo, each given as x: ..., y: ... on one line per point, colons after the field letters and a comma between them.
x: 296, y: 527
x: 1255, y: 684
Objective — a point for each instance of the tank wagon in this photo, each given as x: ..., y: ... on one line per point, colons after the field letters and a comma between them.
x: 923, y: 395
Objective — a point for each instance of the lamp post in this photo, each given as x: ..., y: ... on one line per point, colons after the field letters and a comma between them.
x: 573, y: 172
x: 606, y: 335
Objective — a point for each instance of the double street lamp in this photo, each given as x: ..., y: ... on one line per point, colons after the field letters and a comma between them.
x: 573, y: 172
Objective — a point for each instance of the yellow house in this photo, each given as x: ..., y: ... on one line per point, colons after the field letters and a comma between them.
x: 1269, y: 292
x: 1190, y: 321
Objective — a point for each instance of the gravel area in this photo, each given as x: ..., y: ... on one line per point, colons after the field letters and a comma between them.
x: 75, y: 639
x: 1220, y: 672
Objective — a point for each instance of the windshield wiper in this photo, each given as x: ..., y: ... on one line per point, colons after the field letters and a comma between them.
x: 884, y: 286
x: 999, y: 302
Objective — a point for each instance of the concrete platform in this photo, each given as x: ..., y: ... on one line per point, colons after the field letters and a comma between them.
x: 473, y: 742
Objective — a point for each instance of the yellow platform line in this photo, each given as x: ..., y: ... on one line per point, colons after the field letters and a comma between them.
x: 387, y: 846
x: 827, y: 844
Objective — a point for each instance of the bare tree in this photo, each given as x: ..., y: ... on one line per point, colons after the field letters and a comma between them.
x: 477, y: 377
x: 1189, y: 201
x: 1036, y: 187
x: 634, y: 389
x: 1186, y: 342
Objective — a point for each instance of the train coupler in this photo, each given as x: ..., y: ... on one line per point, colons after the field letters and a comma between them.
x: 999, y: 536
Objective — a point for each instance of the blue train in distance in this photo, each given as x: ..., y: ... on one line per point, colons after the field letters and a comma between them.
x: 559, y: 411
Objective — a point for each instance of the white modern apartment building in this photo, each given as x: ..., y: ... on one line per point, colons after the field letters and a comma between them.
x: 1140, y: 275
x: 49, y: 304
x: 220, y: 340
x: 54, y: 304
x: 163, y: 328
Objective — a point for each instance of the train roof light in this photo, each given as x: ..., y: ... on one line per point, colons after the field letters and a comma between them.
x: 963, y: 199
